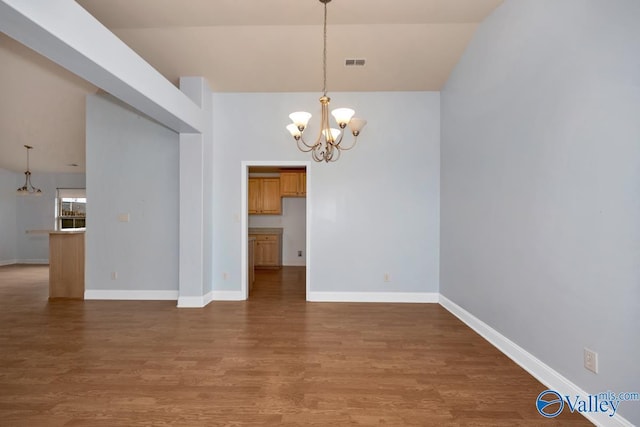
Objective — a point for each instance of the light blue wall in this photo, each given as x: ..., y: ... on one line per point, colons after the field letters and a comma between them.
x: 19, y: 214
x: 540, y: 185
x: 9, y: 182
x: 378, y: 206
x: 38, y: 213
x: 132, y: 167
x: 374, y: 211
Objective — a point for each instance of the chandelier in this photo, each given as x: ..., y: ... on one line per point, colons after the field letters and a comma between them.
x: 28, y: 189
x: 327, y: 146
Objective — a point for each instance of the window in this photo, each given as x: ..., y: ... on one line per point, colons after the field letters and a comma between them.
x: 71, y: 208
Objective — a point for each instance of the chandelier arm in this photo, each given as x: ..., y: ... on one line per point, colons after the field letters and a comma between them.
x: 355, y: 139
x: 338, y: 152
x: 316, y: 154
x: 309, y: 146
x: 337, y: 143
x: 331, y: 153
x: 305, y: 148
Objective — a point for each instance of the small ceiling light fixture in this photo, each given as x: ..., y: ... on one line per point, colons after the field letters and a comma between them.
x: 28, y: 189
x: 328, y: 146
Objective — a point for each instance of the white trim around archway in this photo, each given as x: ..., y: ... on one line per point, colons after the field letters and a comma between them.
x: 244, y: 217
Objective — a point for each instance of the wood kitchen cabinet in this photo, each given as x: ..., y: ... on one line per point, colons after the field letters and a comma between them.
x: 267, y: 250
x: 264, y: 196
x: 66, y: 264
x: 293, y: 183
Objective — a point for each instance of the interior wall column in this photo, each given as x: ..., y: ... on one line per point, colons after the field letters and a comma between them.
x: 195, y: 230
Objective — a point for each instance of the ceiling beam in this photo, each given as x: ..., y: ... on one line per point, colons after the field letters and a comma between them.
x: 64, y: 32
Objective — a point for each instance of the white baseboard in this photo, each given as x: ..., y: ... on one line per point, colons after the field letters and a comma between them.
x: 542, y: 372
x: 183, y: 302
x: 191, y: 302
x: 199, y: 302
x: 389, y: 297
x: 32, y: 261
x: 108, y: 294
x: 8, y: 262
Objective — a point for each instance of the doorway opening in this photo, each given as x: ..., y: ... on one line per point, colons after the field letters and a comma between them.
x: 276, y: 244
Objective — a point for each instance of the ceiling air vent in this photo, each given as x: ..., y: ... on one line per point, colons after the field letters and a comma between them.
x: 354, y: 62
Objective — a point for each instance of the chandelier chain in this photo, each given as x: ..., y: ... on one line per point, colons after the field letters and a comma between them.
x: 324, y: 54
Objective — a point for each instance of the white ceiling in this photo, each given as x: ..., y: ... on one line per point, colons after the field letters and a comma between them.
x: 238, y: 46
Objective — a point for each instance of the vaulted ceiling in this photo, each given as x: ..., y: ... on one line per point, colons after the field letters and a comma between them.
x: 238, y: 46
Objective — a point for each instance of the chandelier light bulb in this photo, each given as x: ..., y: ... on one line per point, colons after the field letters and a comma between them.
x: 331, y: 135
x: 294, y: 130
x: 356, y: 125
x: 300, y: 119
x: 342, y: 116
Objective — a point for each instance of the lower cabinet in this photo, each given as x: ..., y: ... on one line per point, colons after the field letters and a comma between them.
x: 66, y: 264
x: 268, y: 252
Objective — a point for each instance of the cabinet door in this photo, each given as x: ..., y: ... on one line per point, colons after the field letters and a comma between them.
x: 254, y: 195
x: 269, y: 254
x: 264, y: 196
x: 289, y: 183
x: 258, y: 256
x: 293, y: 184
x: 271, y: 202
x: 267, y: 250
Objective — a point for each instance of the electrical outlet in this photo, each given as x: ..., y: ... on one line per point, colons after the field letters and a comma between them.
x: 591, y: 360
x: 387, y: 277
x: 299, y: 253
x: 114, y: 275
x: 225, y: 276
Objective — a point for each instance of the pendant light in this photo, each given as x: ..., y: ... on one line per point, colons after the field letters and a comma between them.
x: 28, y: 189
x: 328, y: 144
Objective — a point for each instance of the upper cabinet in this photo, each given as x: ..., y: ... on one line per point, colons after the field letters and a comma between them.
x: 293, y: 183
x: 264, y: 196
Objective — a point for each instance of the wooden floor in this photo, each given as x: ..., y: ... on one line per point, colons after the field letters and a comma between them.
x: 270, y: 361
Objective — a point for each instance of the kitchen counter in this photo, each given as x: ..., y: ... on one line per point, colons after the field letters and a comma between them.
x: 66, y: 232
x: 264, y: 230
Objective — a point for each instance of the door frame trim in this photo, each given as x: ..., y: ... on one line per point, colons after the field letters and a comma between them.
x: 244, y: 218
